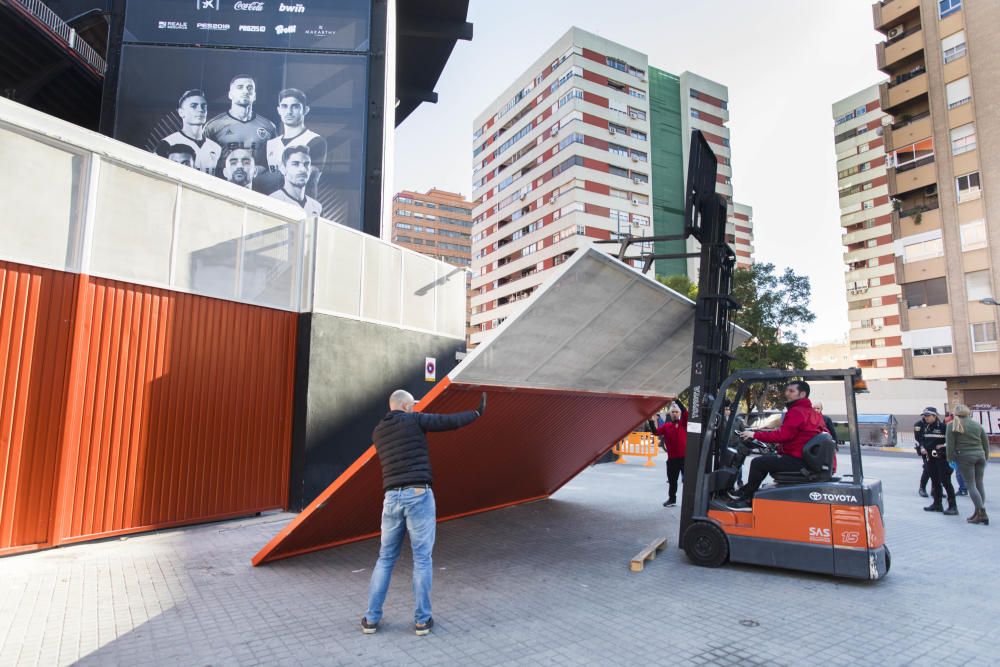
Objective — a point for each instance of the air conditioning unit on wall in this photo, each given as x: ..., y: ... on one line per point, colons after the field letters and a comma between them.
x: 895, y: 32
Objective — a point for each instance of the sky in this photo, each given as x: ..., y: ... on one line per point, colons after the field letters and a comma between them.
x: 785, y: 63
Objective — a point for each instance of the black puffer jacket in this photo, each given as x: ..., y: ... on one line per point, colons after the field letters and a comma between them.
x: 402, y: 446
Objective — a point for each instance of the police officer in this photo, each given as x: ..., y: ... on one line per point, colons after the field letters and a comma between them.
x: 918, y: 447
x: 929, y: 432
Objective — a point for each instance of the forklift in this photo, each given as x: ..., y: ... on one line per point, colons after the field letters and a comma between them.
x: 811, y: 520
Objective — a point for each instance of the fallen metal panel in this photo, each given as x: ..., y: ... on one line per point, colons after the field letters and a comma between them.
x: 529, y: 443
x: 595, y: 351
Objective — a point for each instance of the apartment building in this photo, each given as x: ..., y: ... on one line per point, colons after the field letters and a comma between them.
x: 942, y: 58
x: 571, y: 152
x: 866, y: 215
x: 436, y: 223
x: 739, y: 234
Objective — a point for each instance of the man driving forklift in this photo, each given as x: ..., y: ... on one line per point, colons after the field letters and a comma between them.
x: 801, y: 424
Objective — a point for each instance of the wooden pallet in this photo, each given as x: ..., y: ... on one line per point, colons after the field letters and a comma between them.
x: 649, y: 553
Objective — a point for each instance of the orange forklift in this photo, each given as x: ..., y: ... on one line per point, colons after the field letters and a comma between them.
x: 807, y: 520
x: 811, y: 520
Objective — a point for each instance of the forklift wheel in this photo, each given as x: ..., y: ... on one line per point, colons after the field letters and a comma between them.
x: 888, y: 560
x: 705, y: 544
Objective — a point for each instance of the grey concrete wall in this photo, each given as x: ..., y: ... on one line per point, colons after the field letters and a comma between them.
x: 346, y: 370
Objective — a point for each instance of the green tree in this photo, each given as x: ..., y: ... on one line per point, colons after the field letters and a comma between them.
x: 774, y: 308
x: 681, y: 284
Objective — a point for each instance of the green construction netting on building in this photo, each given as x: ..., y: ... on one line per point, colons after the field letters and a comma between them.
x: 668, y: 167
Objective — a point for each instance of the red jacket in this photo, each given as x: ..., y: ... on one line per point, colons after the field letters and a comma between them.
x: 801, y: 423
x: 675, y: 436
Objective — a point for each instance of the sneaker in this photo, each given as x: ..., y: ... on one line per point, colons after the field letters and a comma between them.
x: 368, y: 628
x: 670, y: 502
x: 423, y: 628
x: 740, y: 504
x: 963, y: 492
x: 922, y: 493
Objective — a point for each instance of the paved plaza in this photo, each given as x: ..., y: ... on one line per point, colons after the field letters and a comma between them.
x: 540, y: 584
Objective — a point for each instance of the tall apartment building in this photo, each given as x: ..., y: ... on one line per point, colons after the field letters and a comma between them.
x: 739, y: 234
x: 437, y: 223
x: 943, y: 93
x: 866, y: 215
x: 589, y: 143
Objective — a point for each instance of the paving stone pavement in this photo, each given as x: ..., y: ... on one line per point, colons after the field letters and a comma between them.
x: 540, y: 584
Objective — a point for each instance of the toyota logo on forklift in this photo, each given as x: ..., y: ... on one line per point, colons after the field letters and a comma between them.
x: 833, y: 497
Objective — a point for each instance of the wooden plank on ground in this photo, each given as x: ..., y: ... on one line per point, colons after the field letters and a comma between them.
x: 649, y: 553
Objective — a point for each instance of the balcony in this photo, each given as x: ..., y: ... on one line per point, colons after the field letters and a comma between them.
x: 932, y: 366
x: 909, y: 130
x: 888, y: 13
x: 911, y: 178
x: 891, y: 52
x: 918, y: 220
x: 902, y: 89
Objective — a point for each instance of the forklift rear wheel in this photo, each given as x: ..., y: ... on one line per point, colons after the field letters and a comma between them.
x: 888, y: 560
x: 705, y: 544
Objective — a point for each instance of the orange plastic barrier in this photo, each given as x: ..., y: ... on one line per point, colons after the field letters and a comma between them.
x: 637, y: 444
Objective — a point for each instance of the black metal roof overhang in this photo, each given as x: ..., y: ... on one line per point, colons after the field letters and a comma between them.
x: 426, y: 33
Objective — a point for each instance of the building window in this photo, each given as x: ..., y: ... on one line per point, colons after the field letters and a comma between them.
x: 958, y: 92
x: 927, y: 342
x: 881, y: 363
x: 640, y: 220
x: 974, y: 235
x: 947, y: 7
x: 921, y: 250
x: 638, y: 177
x: 868, y: 204
x: 984, y: 337
x: 637, y: 114
x: 916, y: 154
x: 614, y: 128
x: 695, y: 114
x: 953, y: 46
x: 968, y: 187
x: 871, y: 243
x: 639, y: 136
x: 923, y: 293
x: 639, y: 156
x: 615, y: 149
x: 963, y: 139
x: 618, y: 194
x: 977, y: 286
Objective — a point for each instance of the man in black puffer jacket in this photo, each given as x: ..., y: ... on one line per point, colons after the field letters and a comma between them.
x: 408, y: 507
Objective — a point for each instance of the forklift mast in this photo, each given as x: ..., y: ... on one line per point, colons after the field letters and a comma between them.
x: 705, y: 219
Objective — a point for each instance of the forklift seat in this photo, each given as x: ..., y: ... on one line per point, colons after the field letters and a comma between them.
x: 817, y: 462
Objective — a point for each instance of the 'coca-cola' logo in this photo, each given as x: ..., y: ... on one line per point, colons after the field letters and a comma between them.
x: 241, y: 6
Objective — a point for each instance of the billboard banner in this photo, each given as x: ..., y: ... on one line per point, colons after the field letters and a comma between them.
x: 342, y: 25
x: 287, y: 125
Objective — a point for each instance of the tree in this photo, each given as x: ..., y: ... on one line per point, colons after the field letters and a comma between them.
x: 681, y: 284
x: 773, y: 309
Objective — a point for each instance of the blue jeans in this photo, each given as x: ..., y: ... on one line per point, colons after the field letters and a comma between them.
x: 411, y: 511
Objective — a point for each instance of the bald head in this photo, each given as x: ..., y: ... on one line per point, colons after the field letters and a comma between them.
x: 401, y: 400
x: 818, y: 406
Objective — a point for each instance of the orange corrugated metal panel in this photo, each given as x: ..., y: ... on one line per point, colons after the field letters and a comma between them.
x: 183, y: 413
x: 529, y: 443
x: 36, y: 313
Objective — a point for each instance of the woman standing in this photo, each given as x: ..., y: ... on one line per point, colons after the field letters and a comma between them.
x: 969, y: 449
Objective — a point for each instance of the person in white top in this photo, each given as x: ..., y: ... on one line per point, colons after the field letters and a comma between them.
x: 192, y: 108
x: 293, y: 107
x: 296, y: 166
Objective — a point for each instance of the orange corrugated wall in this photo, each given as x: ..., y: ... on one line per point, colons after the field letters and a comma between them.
x: 36, y: 315
x: 144, y: 408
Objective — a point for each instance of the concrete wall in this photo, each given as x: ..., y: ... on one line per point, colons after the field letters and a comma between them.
x: 903, y: 398
x: 346, y: 370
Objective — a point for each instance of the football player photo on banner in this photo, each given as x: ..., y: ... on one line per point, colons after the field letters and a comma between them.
x: 287, y: 125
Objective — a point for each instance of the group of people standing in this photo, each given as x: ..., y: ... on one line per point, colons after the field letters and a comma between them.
x: 956, y: 443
